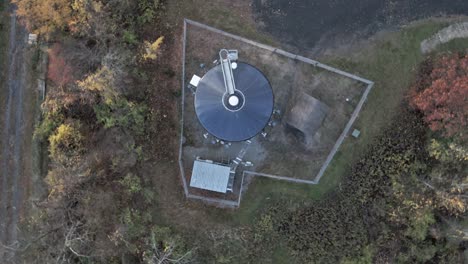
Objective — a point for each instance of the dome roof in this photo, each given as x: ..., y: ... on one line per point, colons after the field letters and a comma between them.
x: 239, y: 116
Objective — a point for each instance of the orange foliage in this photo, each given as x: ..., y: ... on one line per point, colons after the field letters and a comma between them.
x: 59, y: 71
x: 443, y: 95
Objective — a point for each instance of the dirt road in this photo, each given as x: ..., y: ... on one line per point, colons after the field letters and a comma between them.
x: 12, y: 138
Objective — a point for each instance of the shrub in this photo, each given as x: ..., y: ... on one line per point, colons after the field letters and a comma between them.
x: 375, y: 196
x: 52, y: 119
x: 419, y: 223
x: 147, y: 10
x: 137, y: 223
x: 148, y: 195
x: 59, y: 71
x: 365, y: 258
x: 448, y: 150
x: 152, y: 49
x: 130, y: 37
x: 131, y: 183
x: 264, y: 228
x: 66, y: 142
x: 122, y: 113
x: 102, y: 82
x: 56, y: 182
x: 417, y: 253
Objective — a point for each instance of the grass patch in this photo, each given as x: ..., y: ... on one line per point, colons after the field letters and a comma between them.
x: 231, y: 16
x: 391, y: 63
x: 455, y: 45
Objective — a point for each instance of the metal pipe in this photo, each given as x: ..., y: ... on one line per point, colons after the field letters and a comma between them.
x: 227, y: 71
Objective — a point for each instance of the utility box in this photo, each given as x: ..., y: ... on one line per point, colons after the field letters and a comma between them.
x: 32, y: 39
x: 195, y: 80
x: 356, y: 133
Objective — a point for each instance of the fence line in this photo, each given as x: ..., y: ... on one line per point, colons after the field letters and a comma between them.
x: 214, y: 200
x: 330, y: 156
x: 279, y: 51
x: 344, y: 133
x: 281, y: 178
x: 181, y: 163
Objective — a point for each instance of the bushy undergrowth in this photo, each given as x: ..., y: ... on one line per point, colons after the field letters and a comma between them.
x: 66, y: 142
x: 98, y: 208
x: 395, y: 204
x: 124, y: 114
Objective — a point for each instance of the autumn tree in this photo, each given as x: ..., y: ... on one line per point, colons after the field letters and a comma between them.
x: 443, y: 96
x: 45, y: 16
x: 66, y: 142
x: 103, y: 82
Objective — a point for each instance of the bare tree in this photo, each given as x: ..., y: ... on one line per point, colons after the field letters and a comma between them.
x: 76, y: 241
x: 165, y: 252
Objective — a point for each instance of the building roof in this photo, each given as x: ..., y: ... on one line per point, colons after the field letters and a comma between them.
x: 210, y: 176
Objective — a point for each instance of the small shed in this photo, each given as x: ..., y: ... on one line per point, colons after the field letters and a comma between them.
x: 306, y: 115
x: 210, y: 176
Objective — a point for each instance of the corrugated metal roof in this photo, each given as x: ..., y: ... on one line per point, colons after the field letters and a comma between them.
x: 210, y: 176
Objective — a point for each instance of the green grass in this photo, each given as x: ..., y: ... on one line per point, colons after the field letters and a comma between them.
x: 455, y: 45
x: 215, y: 13
x: 391, y: 64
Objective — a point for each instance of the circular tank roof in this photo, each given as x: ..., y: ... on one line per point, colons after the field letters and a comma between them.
x: 239, y: 116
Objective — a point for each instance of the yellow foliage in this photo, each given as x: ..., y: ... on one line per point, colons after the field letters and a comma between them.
x: 55, y: 182
x: 452, y: 203
x: 65, y: 143
x: 45, y: 16
x: 151, y: 49
x: 101, y: 81
x: 448, y: 151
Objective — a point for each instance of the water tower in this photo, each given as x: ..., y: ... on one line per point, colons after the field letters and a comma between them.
x: 233, y: 100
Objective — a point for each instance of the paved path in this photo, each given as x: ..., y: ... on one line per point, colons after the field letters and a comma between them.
x: 445, y: 35
x: 12, y: 134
